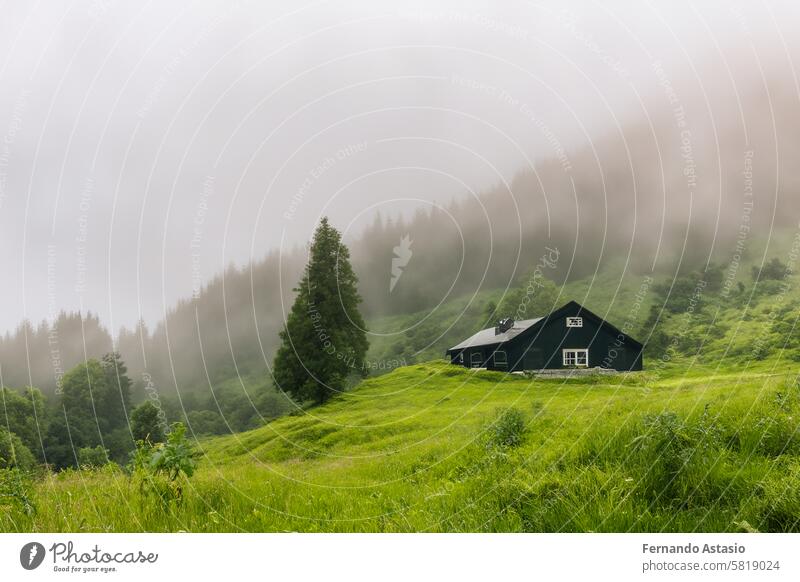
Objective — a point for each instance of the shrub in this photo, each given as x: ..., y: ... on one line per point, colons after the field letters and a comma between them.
x: 773, y: 270
x: 13, y: 453
x: 147, y: 423
x: 508, y: 429
x: 206, y: 422
x: 92, y: 457
x: 162, y: 468
x: 15, y: 490
x: 176, y: 456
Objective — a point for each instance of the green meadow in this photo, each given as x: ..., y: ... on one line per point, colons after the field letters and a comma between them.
x: 705, y: 439
x: 433, y: 447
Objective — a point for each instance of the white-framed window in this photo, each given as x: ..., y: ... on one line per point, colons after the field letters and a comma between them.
x: 500, y: 359
x: 578, y: 358
x: 574, y: 322
x: 475, y: 360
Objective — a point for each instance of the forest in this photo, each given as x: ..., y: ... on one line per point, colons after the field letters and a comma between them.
x: 207, y: 362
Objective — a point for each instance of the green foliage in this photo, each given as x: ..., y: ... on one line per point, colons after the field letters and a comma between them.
x: 82, y: 387
x: 118, y: 443
x: 324, y: 340
x: 534, y: 296
x: 633, y: 453
x: 235, y: 405
x: 161, y: 470
x: 176, y: 457
x: 771, y: 429
x: 206, y: 422
x: 508, y: 429
x: 490, y: 312
x: 16, y: 491
x: 682, y: 294
x: 25, y: 415
x: 777, y: 501
x: 772, y: 270
x: 92, y: 412
x: 147, y: 423
x: 701, y: 315
x: 114, y: 400
x: 429, y: 334
x: 27, y: 354
x: 678, y: 458
x: 13, y: 452
x: 677, y: 450
x: 60, y: 453
x: 92, y: 457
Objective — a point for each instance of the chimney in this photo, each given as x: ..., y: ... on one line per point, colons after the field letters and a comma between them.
x: 504, y: 325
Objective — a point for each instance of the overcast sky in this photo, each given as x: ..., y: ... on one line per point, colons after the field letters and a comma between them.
x: 144, y: 145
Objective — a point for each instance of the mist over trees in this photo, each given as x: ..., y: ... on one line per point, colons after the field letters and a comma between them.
x: 666, y: 194
x: 40, y: 355
x: 92, y: 419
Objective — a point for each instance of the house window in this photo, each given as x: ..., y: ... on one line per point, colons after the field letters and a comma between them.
x: 475, y: 360
x: 500, y: 359
x: 577, y: 358
x: 574, y: 322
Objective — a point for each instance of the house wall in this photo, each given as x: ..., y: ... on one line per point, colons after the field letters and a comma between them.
x: 486, y: 353
x: 542, y: 348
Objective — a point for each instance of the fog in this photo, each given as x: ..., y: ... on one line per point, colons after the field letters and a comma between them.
x: 147, y: 146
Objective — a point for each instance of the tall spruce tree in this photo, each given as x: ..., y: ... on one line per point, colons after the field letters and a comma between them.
x: 323, y: 342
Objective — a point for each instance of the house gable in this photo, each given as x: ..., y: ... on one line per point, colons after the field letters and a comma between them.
x: 558, y: 318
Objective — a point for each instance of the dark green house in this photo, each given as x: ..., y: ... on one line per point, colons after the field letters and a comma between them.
x: 570, y: 337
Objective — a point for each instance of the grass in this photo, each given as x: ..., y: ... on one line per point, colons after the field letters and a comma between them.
x: 706, y: 440
x: 433, y: 447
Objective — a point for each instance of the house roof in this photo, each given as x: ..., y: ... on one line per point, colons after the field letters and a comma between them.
x: 487, y: 337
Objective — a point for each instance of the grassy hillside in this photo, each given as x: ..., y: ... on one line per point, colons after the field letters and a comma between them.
x: 423, y: 336
x: 437, y: 448
x: 706, y: 439
x: 718, y: 315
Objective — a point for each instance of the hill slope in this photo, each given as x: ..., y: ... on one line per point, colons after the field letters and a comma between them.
x: 420, y: 449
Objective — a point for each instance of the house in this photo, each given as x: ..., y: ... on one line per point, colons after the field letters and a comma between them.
x: 570, y: 337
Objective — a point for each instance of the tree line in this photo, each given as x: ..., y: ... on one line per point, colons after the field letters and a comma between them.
x: 93, y: 419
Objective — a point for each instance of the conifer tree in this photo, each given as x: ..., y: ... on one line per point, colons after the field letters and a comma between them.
x: 324, y: 340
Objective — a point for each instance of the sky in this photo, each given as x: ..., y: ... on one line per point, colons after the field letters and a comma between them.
x: 146, y: 146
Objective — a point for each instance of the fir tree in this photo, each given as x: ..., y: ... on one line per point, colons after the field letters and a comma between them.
x: 324, y: 340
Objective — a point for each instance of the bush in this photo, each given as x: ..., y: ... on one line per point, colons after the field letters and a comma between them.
x: 206, y: 422
x: 176, y: 456
x: 15, y: 490
x: 13, y: 453
x: 147, y: 423
x: 773, y: 270
x: 92, y: 457
x: 508, y: 429
x: 162, y: 468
